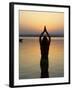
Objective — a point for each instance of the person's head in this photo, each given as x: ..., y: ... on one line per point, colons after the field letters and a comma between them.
x: 44, y: 37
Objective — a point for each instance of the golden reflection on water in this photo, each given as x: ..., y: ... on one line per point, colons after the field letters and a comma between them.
x: 29, y: 58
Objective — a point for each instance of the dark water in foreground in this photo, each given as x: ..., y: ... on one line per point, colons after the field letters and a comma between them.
x: 29, y: 58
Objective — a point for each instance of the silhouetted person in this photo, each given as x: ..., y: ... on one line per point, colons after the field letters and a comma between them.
x: 44, y: 47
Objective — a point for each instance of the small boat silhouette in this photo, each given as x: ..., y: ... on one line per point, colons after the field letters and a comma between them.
x: 20, y: 40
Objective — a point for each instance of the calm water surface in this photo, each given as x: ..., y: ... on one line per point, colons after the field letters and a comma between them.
x: 29, y: 58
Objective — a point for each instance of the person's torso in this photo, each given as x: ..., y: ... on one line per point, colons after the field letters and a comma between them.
x: 44, y: 48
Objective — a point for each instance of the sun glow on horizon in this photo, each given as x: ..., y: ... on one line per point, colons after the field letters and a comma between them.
x: 34, y: 21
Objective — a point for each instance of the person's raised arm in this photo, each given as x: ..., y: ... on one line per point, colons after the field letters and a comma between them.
x: 41, y: 35
x: 48, y: 36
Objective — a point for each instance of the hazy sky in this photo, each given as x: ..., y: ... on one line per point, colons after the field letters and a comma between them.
x: 32, y: 22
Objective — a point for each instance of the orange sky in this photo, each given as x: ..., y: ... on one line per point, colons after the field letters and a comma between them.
x: 34, y: 21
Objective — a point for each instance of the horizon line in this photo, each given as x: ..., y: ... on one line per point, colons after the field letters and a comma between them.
x: 39, y: 35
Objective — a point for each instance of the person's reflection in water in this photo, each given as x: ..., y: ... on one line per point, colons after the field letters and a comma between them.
x: 44, y: 40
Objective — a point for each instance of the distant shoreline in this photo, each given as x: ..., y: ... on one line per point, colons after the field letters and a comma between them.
x: 38, y: 36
